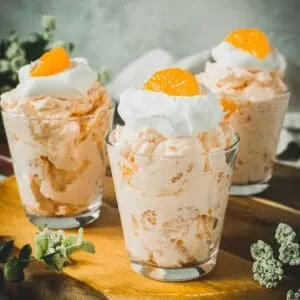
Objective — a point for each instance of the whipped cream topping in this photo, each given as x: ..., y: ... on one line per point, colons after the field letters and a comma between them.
x: 172, y: 116
x: 228, y: 55
x: 72, y: 83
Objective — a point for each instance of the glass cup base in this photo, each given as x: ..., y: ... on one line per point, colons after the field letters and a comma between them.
x: 249, y: 189
x: 66, y: 222
x: 178, y: 274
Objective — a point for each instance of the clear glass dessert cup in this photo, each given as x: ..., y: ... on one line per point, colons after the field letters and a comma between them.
x: 60, y: 166
x: 172, y: 209
x: 258, y: 124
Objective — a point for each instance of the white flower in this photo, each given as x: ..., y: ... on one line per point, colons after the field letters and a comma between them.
x: 13, y: 50
x: 49, y: 22
x: 4, y: 65
x: 17, y: 62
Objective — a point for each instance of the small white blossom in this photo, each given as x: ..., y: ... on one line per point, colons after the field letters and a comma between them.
x: 17, y: 62
x: 4, y: 65
x: 13, y: 50
x: 49, y: 22
x: 13, y: 37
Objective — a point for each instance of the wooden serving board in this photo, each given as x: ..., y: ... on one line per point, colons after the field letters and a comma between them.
x: 108, y: 271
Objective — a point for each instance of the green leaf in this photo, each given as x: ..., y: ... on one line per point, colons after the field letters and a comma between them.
x: 41, y: 246
x: 70, y: 241
x: 88, y: 247
x: 71, y: 249
x: 63, y: 252
x: 5, y: 250
x: 55, y: 261
x: 13, y: 271
x: 24, y: 255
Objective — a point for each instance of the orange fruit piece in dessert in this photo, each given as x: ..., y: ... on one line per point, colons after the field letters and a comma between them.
x: 52, y: 62
x: 229, y: 107
x: 251, y: 40
x: 126, y: 172
x: 173, y: 82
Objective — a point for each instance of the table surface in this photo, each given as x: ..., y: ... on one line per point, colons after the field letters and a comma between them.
x: 107, y: 273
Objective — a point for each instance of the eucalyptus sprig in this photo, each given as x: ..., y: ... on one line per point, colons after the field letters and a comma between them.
x: 52, y: 247
x: 271, y: 263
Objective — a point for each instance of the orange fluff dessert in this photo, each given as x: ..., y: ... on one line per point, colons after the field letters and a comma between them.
x: 247, y: 76
x: 56, y: 120
x: 171, y: 164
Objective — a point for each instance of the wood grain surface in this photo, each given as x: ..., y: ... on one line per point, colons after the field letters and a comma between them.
x: 107, y: 274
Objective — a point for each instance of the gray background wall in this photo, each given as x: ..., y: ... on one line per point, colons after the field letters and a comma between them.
x: 112, y: 32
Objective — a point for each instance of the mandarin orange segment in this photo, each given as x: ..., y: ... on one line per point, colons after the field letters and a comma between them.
x: 52, y: 62
x: 173, y: 82
x: 251, y: 40
x: 126, y: 172
x: 229, y: 107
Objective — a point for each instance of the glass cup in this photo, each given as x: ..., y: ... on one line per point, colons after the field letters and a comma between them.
x: 172, y: 209
x: 59, y: 165
x: 258, y: 124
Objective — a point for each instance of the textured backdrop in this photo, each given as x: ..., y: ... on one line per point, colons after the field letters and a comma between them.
x: 112, y: 32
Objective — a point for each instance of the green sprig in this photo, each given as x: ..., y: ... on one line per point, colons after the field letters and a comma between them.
x: 14, y: 266
x: 52, y: 247
x: 5, y: 250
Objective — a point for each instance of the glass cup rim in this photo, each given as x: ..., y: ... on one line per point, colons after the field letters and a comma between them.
x: 23, y: 117
x: 231, y: 147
